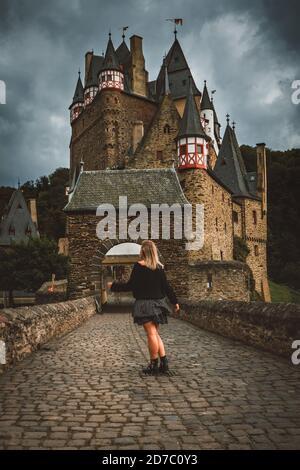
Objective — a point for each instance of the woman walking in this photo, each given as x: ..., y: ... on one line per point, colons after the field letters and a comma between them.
x: 149, y: 286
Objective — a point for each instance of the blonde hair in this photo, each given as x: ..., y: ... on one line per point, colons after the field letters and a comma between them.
x: 149, y: 255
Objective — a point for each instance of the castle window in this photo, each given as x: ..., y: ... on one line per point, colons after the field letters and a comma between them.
x: 28, y: 231
x: 221, y: 254
x: 199, y: 149
x: 212, y: 190
x: 223, y: 197
x: 217, y: 223
x: 116, y: 100
x: 254, y: 217
x: 225, y: 227
x: 256, y: 250
x: 159, y: 155
x: 209, y: 281
x: 109, y: 77
x: 167, y: 129
x: 235, y: 217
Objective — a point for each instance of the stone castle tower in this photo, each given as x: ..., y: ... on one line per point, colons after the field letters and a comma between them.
x: 131, y: 134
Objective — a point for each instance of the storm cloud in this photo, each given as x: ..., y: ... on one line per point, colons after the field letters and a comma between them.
x: 248, y: 51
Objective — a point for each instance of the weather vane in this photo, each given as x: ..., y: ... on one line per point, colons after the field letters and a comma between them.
x: 176, y: 21
x: 124, y: 28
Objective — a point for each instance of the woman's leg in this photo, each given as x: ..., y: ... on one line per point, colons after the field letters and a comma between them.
x: 161, y: 347
x: 153, y: 344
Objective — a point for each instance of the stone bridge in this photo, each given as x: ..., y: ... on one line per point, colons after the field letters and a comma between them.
x: 77, y: 384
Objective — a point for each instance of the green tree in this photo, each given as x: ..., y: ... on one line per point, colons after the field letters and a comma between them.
x: 51, y: 198
x: 27, y: 266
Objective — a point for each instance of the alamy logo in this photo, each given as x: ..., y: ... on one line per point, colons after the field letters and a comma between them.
x: 296, y: 354
x: 144, y: 221
x: 2, y: 353
x: 296, y: 94
x: 2, y: 92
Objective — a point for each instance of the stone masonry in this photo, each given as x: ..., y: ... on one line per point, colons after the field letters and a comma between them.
x: 84, y: 391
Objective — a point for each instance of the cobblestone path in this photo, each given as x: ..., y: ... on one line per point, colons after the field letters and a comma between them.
x: 84, y: 391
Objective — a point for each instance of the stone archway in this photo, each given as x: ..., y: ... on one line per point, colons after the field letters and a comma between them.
x: 95, y: 274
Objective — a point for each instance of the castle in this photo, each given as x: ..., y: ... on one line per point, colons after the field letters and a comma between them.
x: 160, y: 142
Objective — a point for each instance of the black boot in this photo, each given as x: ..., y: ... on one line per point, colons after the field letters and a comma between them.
x: 164, y: 365
x: 152, y: 368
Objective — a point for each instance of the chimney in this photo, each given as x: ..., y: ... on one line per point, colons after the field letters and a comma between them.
x: 33, y: 211
x: 138, y: 73
x: 137, y: 134
x: 88, y: 60
x: 262, y: 175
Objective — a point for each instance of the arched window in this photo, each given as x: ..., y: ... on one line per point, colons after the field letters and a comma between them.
x: 167, y: 129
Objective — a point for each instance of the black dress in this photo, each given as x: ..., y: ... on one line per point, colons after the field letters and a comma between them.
x: 151, y: 290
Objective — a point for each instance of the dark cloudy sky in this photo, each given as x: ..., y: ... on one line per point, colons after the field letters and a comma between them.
x: 247, y: 50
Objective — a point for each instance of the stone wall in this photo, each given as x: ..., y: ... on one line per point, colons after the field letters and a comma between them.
x: 102, y: 134
x: 271, y: 327
x: 158, y: 147
x: 218, y: 280
x: 200, y: 188
x: 25, y: 329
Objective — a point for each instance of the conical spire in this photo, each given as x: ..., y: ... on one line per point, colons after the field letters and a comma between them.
x: 111, y: 61
x: 78, y: 95
x: 190, y: 124
x: 230, y: 166
x: 205, y: 101
x: 123, y: 53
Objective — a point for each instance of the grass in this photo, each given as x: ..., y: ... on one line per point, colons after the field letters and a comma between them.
x: 281, y: 293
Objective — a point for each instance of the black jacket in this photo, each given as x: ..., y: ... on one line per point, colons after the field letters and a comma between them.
x: 146, y: 283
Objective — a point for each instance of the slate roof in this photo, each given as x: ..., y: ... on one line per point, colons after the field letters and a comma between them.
x: 111, y: 60
x: 205, y: 101
x: 145, y: 186
x: 230, y: 166
x: 78, y: 95
x: 123, y: 53
x: 178, y: 74
x: 95, y: 67
x: 190, y: 124
x: 17, y: 217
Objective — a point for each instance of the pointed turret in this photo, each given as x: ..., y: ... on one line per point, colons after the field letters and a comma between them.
x: 207, y: 114
x: 217, y: 125
x: 205, y: 101
x: 78, y: 100
x: 192, y: 142
x: 123, y: 53
x: 91, y: 85
x: 111, y: 74
x: 178, y: 74
x: 230, y: 166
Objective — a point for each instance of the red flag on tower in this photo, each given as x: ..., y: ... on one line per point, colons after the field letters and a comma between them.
x: 178, y: 21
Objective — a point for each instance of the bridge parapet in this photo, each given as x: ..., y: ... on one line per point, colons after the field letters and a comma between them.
x: 25, y: 329
x: 268, y: 326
